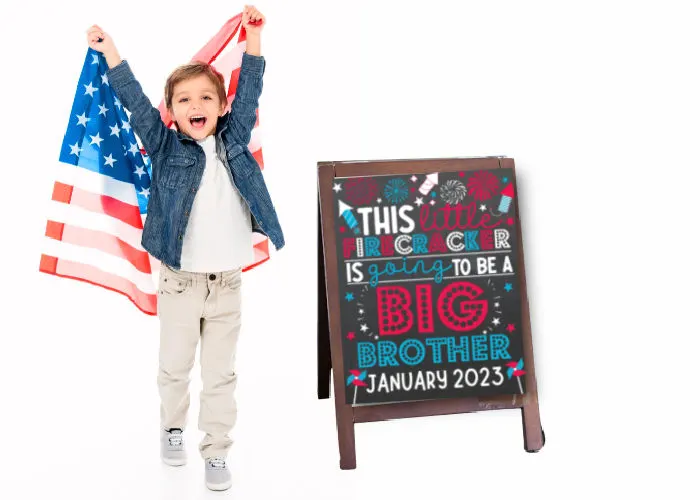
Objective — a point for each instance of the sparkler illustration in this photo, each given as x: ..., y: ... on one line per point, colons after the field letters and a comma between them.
x: 430, y: 182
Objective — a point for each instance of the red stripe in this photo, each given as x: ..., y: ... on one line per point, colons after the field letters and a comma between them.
x: 61, y: 192
x: 98, y: 203
x: 146, y: 302
x: 99, y: 240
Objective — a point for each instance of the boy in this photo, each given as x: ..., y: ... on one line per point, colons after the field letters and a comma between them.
x: 207, y: 197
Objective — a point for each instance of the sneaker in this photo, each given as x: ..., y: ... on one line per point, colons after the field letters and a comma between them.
x: 216, y: 474
x: 172, y: 447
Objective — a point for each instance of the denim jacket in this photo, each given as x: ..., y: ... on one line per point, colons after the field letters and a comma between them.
x: 178, y: 161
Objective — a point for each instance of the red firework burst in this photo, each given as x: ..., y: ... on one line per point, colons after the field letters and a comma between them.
x: 361, y: 190
x: 482, y: 185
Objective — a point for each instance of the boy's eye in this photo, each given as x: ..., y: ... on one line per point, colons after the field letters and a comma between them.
x: 184, y: 99
x: 207, y: 97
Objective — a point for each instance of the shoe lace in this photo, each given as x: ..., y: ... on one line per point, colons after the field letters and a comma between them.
x: 217, y: 462
x: 175, y: 439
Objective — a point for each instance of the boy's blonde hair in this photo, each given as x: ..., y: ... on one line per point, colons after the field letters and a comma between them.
x: 193, y: 70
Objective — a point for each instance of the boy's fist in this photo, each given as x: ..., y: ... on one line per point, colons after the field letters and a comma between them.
x: 253, y: 20
x: 101, y: 42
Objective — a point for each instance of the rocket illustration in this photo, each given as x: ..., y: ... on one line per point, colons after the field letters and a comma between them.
x: 346, y: 212
x: 431, y: 181
x: 507, y: 196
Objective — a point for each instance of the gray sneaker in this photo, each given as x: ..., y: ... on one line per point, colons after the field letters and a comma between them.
x: 216, y: 474
x: 172, y: 447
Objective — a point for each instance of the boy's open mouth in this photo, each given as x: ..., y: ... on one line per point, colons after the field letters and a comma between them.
x: 198, y: 121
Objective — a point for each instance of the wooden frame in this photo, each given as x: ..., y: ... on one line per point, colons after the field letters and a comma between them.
x: 329, y: 334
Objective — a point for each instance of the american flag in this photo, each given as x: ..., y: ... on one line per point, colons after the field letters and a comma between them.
x: 102, y: 184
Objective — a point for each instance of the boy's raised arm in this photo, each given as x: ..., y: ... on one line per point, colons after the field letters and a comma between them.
x: 250, y: 80
x: 145, y: 119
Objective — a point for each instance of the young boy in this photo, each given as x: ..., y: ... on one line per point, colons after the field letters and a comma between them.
x: 207, y: 197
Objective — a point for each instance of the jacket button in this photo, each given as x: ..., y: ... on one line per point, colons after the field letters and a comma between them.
x: 179, y: 237
x: 187, y: 212
x: 194, y: 190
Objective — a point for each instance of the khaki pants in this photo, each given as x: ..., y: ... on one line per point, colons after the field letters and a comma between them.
x: 194, y: 306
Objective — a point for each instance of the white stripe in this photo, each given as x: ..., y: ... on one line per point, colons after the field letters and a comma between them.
x: 76, y: 216
x: 101, y: 260
x: 97, y: 183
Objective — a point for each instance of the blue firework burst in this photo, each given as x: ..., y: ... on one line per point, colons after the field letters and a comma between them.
x: 396, y: 191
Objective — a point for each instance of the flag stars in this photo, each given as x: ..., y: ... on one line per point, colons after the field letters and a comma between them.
x: 95, y: 59
x: 89, y: 89
x: 117, y: 103
x: 115, y: 130
x: 82, y: 119
x: 109, y: 160
x: 139, y: 171
x: 104, y: 78
x: 134, y: 148
x: 126, y: 126
x: 128, y: 114
x: 145, y: 192
x: 74, y: 149
x: 103, y: 110
x: 96, y: 139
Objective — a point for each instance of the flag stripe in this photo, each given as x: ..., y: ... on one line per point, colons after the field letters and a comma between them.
x: 129, y: 214
x: 100, y: 260
x: 95, y: 182
x: 146, y: 302
x: 74, y: 215
x: 101, y: 241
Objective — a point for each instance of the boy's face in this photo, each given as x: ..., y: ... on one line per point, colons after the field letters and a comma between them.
x: 196, y: 107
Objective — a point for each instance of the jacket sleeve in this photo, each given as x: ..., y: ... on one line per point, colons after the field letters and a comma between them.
x: 242, y: 116
x: 145, y: 118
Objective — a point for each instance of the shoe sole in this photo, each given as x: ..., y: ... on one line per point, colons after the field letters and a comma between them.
x: 175, y: 462
x: 219, y: 486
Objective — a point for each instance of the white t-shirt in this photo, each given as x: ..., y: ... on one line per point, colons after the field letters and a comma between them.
x: 219, y: 234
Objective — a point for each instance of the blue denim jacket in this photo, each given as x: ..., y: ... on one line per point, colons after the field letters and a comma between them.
x: 178, y: 161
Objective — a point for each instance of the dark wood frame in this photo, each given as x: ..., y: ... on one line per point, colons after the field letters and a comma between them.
x: 329, y: 331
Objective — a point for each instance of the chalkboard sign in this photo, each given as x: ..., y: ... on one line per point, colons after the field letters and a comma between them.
x: 430, y: 305
x: 422, y: 296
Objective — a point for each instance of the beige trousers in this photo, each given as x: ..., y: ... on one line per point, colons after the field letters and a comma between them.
x: 194, y: 307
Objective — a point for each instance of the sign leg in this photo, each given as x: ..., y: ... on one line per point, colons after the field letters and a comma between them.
x: 323, y: 341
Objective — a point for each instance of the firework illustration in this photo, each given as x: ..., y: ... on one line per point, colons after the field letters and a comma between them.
x: 483, y: 185
x: 346, y: 212
x: 358, y: 380
x: 431, y: 181
x: 506, y: 197
x: 361, y: 190
x: 516, y: 370
x: 396, y: 191
x: 452, y: 192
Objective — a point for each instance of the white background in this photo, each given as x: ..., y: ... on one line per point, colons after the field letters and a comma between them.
x: 598, y: 104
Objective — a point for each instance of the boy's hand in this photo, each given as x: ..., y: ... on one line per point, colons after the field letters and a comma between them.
x: 253, y: 20
x: 100, y: 41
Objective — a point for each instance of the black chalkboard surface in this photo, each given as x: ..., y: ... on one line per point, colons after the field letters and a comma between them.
x: 428, y: 277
